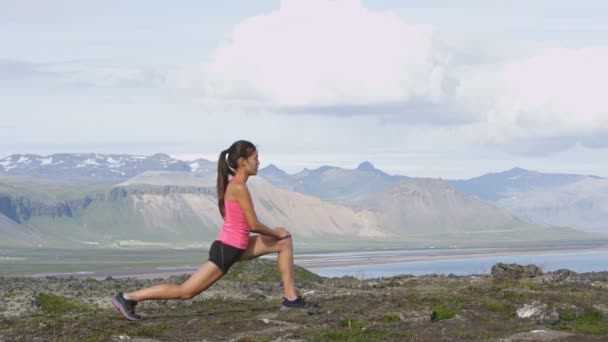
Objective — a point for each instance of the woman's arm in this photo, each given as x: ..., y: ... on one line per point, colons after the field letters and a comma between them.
x: 244, y: 199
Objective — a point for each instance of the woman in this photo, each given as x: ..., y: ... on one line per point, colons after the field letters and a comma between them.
x: 233, y: 243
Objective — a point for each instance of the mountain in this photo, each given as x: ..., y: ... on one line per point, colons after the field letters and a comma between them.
x: 203, y: 166
x: 277, y: 177
x: 16, y: 235
x: 91, y: 168
x: 432, y: 210
x: 164, y: 214
x: 414, y: 213
x: 107, y: 215
x: 494, y: 186
x: 332, y: 184
x: 548, y: 199
x: 433, y: 206
x: 177, y: 178
x: 65, y: 199
x: 310, y: 217
x: 582, y: 205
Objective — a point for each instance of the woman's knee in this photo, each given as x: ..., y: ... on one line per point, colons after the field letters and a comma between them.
x: 186, y: 293
x: 286, y: 244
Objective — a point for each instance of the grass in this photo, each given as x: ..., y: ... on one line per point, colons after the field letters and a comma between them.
x: 513, y: 296
x: 53, y: 304
x: 590, y: 321
x: 16, y: 294
x: 350, y: 330
x: 94, y: 259
x: 152, y: 330
x: 473, y: 334
x: 498, y: 307
x: 349, y: 317
x: 260, y: 270
x: 567, y: 315
x: 443, y: 311
x: 391, y: 318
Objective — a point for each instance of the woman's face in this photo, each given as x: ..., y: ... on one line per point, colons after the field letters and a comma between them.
x: 251, y: 164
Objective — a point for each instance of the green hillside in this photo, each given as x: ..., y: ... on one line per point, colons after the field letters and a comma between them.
x: 71, y: 216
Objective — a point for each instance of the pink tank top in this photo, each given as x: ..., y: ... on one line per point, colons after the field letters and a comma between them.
x: 235, y: 231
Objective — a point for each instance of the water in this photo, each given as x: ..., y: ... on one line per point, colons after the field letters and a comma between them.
x: 64, y: 274
x: 374, y: 264
x: 575, y: 261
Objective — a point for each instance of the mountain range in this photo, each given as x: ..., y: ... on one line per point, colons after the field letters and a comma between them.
x: 95, y: 168
x: 111, y: 200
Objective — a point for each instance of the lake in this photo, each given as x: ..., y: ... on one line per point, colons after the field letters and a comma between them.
x: 374, y: 264
x: 368, y: 264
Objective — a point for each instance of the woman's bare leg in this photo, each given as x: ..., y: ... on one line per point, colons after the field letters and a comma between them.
x: 260, y: 245
x: 199, y: 281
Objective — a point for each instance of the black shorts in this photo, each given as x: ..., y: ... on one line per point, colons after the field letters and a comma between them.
x: 223, y: 255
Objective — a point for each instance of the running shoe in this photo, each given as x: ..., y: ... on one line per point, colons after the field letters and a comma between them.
x: 126, y: 307
x: 298, y: 304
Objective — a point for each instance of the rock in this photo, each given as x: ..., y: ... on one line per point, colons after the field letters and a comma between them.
x: 603, y: 308
x: 560, y: 276
x: 552, y: 318
x: 256, y: 296
x: 515, y: 271
x: 313, y: 310
x: 192, y: 321
x: 288, y: 338
x: 270, y: 315
x: 416, y: 316
x: 539, y: 335
x: 467, y: 315
x: 539, y: 312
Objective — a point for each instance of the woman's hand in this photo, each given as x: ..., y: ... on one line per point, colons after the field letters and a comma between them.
x: 282, y: 233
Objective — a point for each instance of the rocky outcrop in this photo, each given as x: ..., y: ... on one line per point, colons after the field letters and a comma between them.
x: 560, y: 276
x: 20, y: 209
x: 515, y: 271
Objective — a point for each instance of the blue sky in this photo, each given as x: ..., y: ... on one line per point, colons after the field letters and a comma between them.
x: 435, y: 88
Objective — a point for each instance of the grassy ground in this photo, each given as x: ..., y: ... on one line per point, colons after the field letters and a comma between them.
x: 244, y: 307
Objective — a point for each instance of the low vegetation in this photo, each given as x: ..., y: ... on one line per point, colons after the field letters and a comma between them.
x: 244, y: 307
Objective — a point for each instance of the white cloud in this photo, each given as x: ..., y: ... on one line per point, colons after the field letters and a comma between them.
x: 340, y: 58
x: 541, y: 103
x: 468, y: 74
x: 321, y: 54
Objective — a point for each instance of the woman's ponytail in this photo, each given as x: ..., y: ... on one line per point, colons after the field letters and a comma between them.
x: 222, y: 180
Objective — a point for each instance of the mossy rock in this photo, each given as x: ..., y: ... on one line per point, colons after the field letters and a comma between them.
x: 262, y: 270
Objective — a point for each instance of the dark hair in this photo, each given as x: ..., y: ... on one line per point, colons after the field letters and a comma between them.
x: 227, y: 165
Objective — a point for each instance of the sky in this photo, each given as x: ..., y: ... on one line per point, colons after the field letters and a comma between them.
x: 439, y: 89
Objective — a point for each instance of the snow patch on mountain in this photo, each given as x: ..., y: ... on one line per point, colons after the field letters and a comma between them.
x: 46, y: 161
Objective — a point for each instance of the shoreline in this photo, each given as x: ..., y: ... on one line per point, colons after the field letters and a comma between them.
x: 381, y: 258
x: 314, y: 261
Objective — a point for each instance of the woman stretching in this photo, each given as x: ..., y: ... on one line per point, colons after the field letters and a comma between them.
x: 233, y: 243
